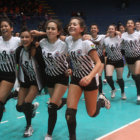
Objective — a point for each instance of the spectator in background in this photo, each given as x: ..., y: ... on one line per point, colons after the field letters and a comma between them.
x: 137, y: 25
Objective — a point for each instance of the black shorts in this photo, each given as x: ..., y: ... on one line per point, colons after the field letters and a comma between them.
x: 92, y: 86
x: 60, y: 79
x: 132, y: 60
x: 116, y: 64
x: 9, y: 77
x: 27, y: 84
x: 102, y: 58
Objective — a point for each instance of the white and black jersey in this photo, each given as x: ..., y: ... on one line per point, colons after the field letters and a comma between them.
x: 31, y: 69
x: 131, y: 44
x: 54, y: 56
x: 137, y: 31
x: 7, y: 54
x: 113, y: 48
x: 26, y: 64
x: 99, y: 47
x: 78, y: 51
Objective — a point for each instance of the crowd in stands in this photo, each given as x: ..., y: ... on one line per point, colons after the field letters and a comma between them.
x: 20, y: 12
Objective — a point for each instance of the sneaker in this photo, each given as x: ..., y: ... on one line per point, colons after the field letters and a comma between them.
x: 123, y: 96
x: 48, y: 101
x: 107, y: 102
x: 104, y: 81
x: 138, y: 99
x: 36, y: 104
x: 28, y: 131
x: 48, y: 137
x: 113, y: 93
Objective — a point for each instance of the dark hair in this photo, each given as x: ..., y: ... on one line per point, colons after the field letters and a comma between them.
x: 57, y: 22
x: 113, y: 26
x: 32, y: 48
x: 6, y: 20
x: 130, y: 20
x: 119, y: 25
x: 81, y: 22
x: 94, y: 24
x: 24, y: 29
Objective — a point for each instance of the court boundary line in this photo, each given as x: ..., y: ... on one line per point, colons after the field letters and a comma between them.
x: 99, y: 138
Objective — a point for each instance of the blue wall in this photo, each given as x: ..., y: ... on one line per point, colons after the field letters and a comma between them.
x: 102, y: 12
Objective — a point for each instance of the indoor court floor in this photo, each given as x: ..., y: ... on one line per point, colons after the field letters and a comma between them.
x: 121, y: 122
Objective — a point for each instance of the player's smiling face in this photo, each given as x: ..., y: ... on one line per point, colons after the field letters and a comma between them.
x: 130, y: 25
x: 94, y: 29
x: 75, y: 28
x: 111, y: 30
x: 6, y: 29
x: 52, y: 31
x: 26, y: 39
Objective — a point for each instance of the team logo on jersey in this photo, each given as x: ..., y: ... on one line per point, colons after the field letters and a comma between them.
x: 12, y: 52
x: 79, y: 52
x: 57, y: 54
x: 93, y: 46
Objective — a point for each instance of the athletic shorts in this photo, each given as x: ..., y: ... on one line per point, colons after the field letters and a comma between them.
x: 116, y: 64
x: 7, y: 77
x: 60, y: 79
x: 27, y: 84
x: 102, y: 59
x: 132, y: 60
x: 92, y: 86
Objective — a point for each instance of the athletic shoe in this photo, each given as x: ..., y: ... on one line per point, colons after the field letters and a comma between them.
x: 48, y: 101
x: 36, y: 104
x: 104, y: 81
x: 107, y: 102
x: 48, y: 137
x: 28, y: 131
x: 113, y: 93
x: 138, y: 99
x: 123, y: 96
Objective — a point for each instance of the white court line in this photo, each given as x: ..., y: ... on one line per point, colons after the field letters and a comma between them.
x: 20, y: 117
x: 4, y: 122
x: 117, y: 130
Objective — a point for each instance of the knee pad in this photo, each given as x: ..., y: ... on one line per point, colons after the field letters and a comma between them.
x: 70, y: 115
x: 19, y: 108
x: 134, y: 77
x: 137, y: 77
x: 120, y: 81
x: 52, y: 108
x: 27, y: 108
x: 108, y: 78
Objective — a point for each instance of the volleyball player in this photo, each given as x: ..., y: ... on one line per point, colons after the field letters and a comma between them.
x: 131, y: 46
x: 54, y: 53
x: 84, y: 77
x: 112, y: 45
x: 137, y: 25
x: 121, y: 28
x: 8, y: 45
x: 31, y: 67
x: 97, y: 40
